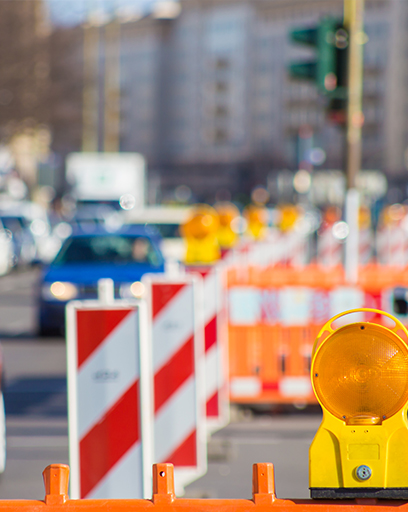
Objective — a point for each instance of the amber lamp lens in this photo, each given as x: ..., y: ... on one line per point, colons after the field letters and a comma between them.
x: 360, y: 373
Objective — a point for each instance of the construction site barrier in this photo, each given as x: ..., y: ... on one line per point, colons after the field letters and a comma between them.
x: 276, y: 312
x: 215, y: 345
x: 163, y: 498
x: 109, y: 407
x: 176, y: 338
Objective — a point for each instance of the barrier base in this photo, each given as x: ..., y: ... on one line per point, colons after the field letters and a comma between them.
x: 341, y: 493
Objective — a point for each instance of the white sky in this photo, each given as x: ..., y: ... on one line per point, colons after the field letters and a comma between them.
x: 72, y: 12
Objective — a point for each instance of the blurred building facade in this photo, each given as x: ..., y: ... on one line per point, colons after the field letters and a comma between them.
x: 206, y: 96
x: 207, y: 99
x: 24, y: 64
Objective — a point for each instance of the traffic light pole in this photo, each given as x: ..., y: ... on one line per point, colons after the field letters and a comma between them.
x: 353, y: 21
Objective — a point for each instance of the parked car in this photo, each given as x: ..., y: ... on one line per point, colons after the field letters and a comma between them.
x: 84, y: 258
x: 32, y: 236
x: 7, y: 258
x: 24, y: 247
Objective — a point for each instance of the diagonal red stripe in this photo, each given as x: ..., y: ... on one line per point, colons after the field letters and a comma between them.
x: 162, y: 293
x: 212, y: 406
x: 203, y: 271
x: 210, y: 333
x: 270, y: 386
x: 93, y: 327
x: 186, y: 453
x: 109, y: 440
x: 172, y: 375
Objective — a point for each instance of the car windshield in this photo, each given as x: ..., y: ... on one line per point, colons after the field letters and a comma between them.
x: 108, y: 249
x: 168, y: 230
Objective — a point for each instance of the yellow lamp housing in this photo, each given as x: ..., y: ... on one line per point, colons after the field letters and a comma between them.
x: 359, y: 374
x: 200, y: 235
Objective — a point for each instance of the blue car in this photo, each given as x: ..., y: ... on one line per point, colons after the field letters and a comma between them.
x: 84, y: 258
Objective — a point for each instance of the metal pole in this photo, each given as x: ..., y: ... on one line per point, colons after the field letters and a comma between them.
x: 112, y: 87
x: 353, y: 21
x: 90, y: 88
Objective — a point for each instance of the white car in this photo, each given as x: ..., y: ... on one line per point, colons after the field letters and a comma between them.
x: 166, y: 220
x: 7, y: 256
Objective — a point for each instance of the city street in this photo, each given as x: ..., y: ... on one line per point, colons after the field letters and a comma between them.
x: 35, y: 398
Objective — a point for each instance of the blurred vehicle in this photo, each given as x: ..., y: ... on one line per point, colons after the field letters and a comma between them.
x: 114, y: 177
x: 90, y: 216
x: 84, y: 258
x: 6, y: 250
x: 23, y: 242
x: 164, y: 221
x: 32, y: 236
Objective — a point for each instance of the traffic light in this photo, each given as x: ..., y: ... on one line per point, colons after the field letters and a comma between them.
x: 360, y: 377
x: 329, y: 67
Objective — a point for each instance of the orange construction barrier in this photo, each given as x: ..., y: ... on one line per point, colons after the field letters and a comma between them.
x: 275, y: 314
x: 263, y: 497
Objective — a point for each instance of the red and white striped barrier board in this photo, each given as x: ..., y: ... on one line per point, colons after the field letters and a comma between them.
x: 216, y: 346
x: 365, y: 246
x: 391, y: 246
x: 329, y: 248
x: 109, y: 402
x: 177, y: 342
x: 289, y: 248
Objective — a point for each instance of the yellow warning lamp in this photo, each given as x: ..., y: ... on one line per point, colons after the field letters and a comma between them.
x: 392, y: 215
x: 200, y: 234
x: 257, y: 218
x: 288, y: 214
x: 364, y: 217
x: 227, y: 212
x: 360, y: 377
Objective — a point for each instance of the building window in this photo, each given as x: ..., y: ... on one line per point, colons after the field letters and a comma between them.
x: 222, y: 63
x: 221, y: 111
x: 221, y: 87
x: 220, y: 136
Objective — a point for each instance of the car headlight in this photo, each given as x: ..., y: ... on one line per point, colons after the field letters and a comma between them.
x: 58, y: 290
x: 132, y: 290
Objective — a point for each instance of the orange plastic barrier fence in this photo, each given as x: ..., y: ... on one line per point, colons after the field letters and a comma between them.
x: 263, y: 497
x: 275, y: 314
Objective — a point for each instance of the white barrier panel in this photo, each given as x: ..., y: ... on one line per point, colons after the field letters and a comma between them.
x: 109, y: 401
x: 329, y: 248
x: 216, y: 347
x: 391, y: 246
x: 177, y: 341
x: 244, y: 305
x: 295, y: 305
x: 290, y: 306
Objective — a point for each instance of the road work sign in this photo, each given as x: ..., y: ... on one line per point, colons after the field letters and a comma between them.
x: 109, y: 430
x: 178, y: 376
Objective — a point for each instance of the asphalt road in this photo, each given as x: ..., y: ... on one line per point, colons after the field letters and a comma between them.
x: 36, y: 408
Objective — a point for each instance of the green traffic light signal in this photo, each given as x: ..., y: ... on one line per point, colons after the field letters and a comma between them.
x: 329, y: 68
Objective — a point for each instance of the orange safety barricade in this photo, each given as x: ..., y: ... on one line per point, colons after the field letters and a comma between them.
x: 275, y: 314
x: 263, y: 497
